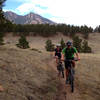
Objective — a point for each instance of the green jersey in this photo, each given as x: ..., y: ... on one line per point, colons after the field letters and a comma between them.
x: 69, y: 52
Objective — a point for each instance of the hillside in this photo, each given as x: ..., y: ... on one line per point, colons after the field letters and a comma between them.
x: 31, y: 74
x: 30, y: 18
x: 26, y: 75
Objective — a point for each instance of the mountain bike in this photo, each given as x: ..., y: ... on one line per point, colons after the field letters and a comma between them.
x: 60, y: 67
x: 71, y: 73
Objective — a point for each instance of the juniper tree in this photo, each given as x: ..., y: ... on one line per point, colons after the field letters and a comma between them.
x: 86, y: 48
x: 49, y: 46
x: 77, y: 43
x: 62, y: 43
x: 1, y: 38
x: 23, y: 43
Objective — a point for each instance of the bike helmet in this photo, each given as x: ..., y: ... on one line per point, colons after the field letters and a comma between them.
x: 69, y: 43
x: 58, y: 45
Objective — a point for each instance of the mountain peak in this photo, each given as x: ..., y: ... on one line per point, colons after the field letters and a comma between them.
x: 30, y: 18
x: 31, y: 13
x: 10, y: 12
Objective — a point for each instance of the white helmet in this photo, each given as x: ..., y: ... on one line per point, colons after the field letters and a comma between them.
x: 58, y: 45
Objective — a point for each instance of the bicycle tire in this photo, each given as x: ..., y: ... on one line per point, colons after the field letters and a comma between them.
x: 63, y: 74
x: 72, y: 86
x: 72, y: 80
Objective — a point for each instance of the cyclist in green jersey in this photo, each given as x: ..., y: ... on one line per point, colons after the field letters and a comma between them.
x: 68, y: 54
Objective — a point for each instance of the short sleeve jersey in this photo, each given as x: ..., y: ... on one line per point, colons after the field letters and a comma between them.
x: 69, y: 52
x: 58, y: 52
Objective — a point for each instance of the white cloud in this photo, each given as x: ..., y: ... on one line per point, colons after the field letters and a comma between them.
x: 8, y: 10
x: 24, y: 8
x: 78, y: 12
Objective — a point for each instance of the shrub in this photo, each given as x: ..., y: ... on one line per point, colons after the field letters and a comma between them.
x: 62, y: 43
x: 1, y: 39
x: 23, y: 43
x: 49, y: 46
x: 86, y: 48
x: 77, y: 42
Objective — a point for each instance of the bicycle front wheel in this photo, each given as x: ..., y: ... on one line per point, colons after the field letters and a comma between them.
x: 72, y: 80
x: 63, y: 74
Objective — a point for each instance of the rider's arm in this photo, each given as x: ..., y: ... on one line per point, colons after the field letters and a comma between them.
x: 62, y: 56
x: 76, y: 52
x: 54, y: 53
x: 77, y: 55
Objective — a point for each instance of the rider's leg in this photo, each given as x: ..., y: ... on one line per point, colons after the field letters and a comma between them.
x: 66, y: 74
x: 56, y: 59
x: 73, y: 64
x: 67, y: 71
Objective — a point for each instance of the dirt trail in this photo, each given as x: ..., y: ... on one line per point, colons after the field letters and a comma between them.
x: 64, y: 91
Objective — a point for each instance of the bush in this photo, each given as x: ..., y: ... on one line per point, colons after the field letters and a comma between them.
x: 34, y: 49
x: 49, y: 46
x: 62, y: 43
x: 23, y: 43
x: 86, y: 35
x: 1, y: 39
x: 77, y: 42
x: 85, y: 47
x: 81, y: 46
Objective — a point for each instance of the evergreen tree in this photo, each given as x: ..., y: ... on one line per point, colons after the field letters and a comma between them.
x: 2, y: 19
x: 49, y: 46
x: 62, y: 43
x: 1, y: 12
x: 1, y: 39
x: 23, y: 43
x: 86, y: 35
x: 77, y: 43
x: 97, y: 29
x: 85, y: 47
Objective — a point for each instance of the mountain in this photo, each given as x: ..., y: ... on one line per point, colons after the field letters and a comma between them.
x: 30, y: 18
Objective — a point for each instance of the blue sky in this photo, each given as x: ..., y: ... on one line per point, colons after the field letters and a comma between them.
x: 11, y: 5
x: 16, y: 5
x: 77, y: 12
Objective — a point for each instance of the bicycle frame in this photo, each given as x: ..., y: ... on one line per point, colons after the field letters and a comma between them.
x: 71, y: 74
x: 60, y: 68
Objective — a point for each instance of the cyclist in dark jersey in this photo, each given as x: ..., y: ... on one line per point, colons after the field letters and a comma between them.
x: 68, y: 54
x: 58, y: 51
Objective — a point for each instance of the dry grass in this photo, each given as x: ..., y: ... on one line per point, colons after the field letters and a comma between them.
x: 94, y: 42
x: 88, y: 71
x: 88, y: 76
x: 26, y: 75
x: 19, y: 68
x: 35, y: 42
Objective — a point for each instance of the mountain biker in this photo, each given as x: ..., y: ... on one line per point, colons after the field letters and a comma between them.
x: 57, y: 52
x: 68, y: 54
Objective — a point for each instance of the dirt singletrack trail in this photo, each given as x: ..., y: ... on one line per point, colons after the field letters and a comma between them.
x: 64, y: 91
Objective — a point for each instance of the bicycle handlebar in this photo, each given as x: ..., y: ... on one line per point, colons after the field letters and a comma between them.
x: 70, y: 59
